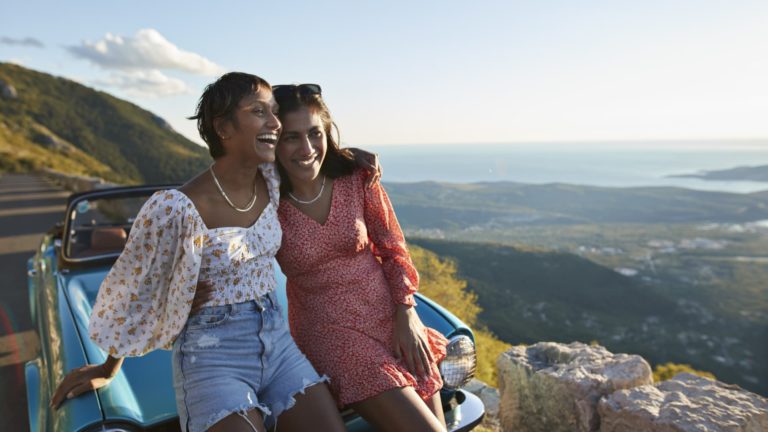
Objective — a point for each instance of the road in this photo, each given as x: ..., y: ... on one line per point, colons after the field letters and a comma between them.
x: 29, y: 206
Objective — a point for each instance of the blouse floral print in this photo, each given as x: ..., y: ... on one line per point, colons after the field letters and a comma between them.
x: 144, y: 301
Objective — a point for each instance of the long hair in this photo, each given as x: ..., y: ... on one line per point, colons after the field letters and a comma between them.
x: 338, y: 162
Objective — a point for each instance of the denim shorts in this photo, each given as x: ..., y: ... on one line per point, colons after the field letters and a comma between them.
x: 234, y: 358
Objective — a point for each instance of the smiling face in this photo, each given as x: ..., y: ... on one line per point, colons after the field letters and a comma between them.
x: 303, y: 145
x: 253, y: 131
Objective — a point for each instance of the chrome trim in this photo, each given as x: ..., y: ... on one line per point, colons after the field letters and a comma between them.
x: 93, y: 257
x: 467, y: 414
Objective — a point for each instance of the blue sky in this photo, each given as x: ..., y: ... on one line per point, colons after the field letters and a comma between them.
x: 403, y: 72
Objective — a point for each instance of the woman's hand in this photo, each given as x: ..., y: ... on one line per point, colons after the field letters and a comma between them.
x: 86, y: 378
x: 369, y: 162
x: 409, y: 341
x: 203, y: 294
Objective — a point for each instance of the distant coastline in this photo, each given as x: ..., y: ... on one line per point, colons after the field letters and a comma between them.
x: 744, y: 173
x: 616, y: 166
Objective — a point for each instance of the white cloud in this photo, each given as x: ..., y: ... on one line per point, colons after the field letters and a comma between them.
x: 27, y: 41
x: 145, y: 83
x: 147, y: 50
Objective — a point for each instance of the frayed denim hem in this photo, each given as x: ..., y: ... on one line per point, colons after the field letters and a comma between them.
x: 279, y: 409
x: 244, y: 408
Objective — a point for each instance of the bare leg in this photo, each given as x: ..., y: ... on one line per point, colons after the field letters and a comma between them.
x: 399, y: 409
x: 314, y: 410
x: 249, y: 422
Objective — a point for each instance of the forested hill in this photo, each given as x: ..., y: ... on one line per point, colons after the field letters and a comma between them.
x: 533, y: 295
x: 528, y: 295
x: 52, y: 122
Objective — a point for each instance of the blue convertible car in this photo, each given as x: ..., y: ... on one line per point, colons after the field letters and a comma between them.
x: 64, y: 277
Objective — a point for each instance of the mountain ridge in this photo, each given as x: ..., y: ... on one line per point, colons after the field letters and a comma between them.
x: 54, y: 122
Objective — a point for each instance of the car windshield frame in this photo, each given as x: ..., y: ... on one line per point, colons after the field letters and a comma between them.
x: 75, y: 205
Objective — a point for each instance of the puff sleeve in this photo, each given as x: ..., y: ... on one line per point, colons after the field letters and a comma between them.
x: 389, y: 243
x: 144, y: 300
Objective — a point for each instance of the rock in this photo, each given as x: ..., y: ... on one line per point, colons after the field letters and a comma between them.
x: 7, y: 91
x: 549, y: 387
x: 685, y: 403
x: 489, y: 395
x: 52, y: 142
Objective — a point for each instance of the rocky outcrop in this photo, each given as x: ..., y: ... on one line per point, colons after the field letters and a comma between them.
x: 490, y: 398
x: 550, y: 387
x: 556, y: 387
x: 486, y: 393
x: 51, y: 142
x: 684, y: 403
x: 7, y: 91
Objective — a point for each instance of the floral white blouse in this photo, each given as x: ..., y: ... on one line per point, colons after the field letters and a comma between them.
x: 144, y: 301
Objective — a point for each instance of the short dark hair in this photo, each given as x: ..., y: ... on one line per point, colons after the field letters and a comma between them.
x: 219, y: 100
x: 338, y: 162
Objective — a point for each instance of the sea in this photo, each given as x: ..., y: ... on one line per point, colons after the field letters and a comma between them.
x: 619, y: 164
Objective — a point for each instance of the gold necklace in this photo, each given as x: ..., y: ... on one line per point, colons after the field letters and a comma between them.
x: 226, y: 198
x: 322, y: 187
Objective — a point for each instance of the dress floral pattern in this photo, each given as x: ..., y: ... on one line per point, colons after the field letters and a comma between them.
x: 344, y: 279
x: 144, y: 301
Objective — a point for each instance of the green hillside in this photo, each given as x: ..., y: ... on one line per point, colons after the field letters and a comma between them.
x: 56, y: 123
x: 439, y: 281
x: 530, y: 295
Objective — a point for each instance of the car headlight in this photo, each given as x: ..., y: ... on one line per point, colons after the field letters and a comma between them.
x: 458, y: 366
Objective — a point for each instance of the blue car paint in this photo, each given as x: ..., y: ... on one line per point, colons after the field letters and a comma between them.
x: 60, y: 350
x: 34, y: 391
x: 142, y: 392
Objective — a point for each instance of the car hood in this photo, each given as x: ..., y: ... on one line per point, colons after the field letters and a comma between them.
x: 142, y: 393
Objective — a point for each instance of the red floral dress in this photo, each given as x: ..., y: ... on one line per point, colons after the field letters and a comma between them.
x: 344, y: 279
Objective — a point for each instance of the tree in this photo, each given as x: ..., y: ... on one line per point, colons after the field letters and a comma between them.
x: 439, y: 282
x: 663, y: 372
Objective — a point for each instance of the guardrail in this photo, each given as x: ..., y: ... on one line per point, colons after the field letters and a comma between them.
x: 77, y: 183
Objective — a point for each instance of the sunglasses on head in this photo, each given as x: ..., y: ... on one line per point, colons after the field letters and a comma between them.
x: 301, y: 89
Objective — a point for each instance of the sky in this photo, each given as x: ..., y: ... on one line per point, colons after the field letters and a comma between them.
x: 428, y: 72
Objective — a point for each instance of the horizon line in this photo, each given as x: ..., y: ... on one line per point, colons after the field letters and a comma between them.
x: 757, y: 140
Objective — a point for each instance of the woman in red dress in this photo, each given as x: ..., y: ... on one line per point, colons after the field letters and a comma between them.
x: 350, y: 277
